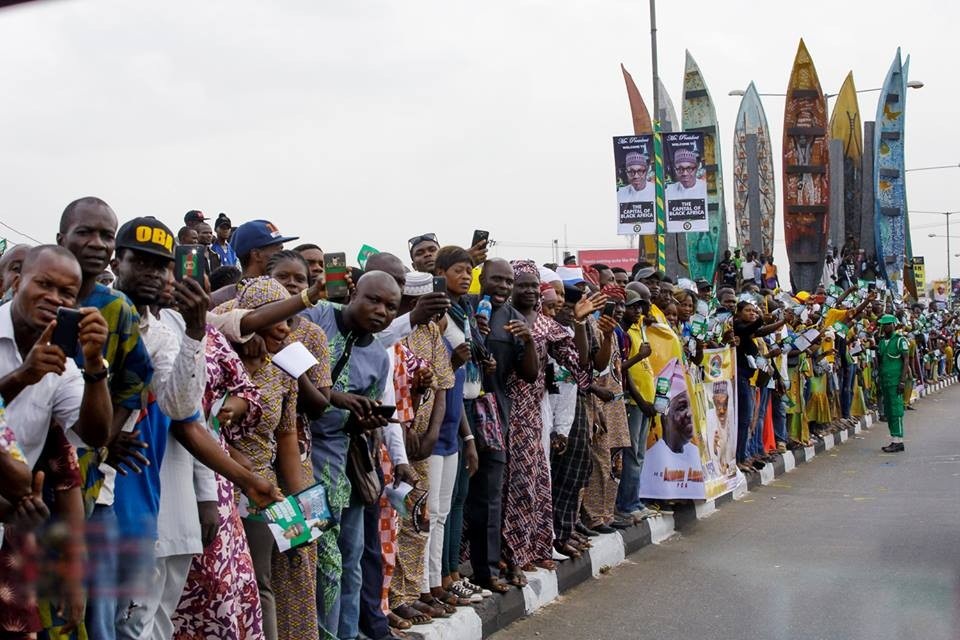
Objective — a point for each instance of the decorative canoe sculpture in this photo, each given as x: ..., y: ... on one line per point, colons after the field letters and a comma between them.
x: 754, y: 197
x: 806, y: 181
x: 845, y: 126
x: 699, y: 115
x: 889, y: 192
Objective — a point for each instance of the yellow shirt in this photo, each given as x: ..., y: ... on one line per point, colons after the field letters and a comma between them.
x: 833, y: 316
x: 641, y: 374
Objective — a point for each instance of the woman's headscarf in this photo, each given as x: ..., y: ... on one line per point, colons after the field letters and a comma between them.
x: 615, y: 292
x: 257, y: 292
x: 522, y: 267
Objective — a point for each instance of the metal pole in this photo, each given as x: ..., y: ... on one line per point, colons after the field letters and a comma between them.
x: 658, y: 157
x: 949, y: 278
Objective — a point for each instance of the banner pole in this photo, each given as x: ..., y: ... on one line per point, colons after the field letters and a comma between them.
x: 657, y: 145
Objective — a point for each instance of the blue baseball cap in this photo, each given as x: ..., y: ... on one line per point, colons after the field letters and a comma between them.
x: 257, y: 234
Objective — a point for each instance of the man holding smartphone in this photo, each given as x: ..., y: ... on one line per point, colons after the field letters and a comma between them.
x: 78, y: 399
x: 88, y: 228
x: 253, y: 242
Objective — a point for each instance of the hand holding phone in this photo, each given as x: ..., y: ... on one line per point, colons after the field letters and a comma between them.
x: 335, y: 269
x: 43, y: 358
x: 189, y: 261
x: 66, y: 334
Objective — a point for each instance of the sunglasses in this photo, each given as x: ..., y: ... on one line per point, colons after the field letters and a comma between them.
x: 415, y: 240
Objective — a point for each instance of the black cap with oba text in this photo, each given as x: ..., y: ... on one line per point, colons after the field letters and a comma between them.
x: 148, y: 235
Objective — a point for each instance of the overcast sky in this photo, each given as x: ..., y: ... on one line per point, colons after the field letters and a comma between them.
x: 369, y: 122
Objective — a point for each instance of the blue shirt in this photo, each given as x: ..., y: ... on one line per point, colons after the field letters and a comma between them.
x: 228, y: 257
x: 366, y: 373
x: 448, y: 442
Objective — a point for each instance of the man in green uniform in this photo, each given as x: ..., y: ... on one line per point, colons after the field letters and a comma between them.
x: 892, y: 352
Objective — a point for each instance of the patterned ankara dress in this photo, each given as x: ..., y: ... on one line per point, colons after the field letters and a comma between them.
x: 220, y: 599
x: 426, y: 343
x: 527, y: 506
x: 295, y: 571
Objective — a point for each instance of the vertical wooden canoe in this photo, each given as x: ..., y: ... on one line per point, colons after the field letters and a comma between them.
x: 889, y: 194
x: 909, y: 281
x: 846, y: 127
x: 700, y: 115
x: 806, y: 181
x: 754, y: 197
x: 641, y: 125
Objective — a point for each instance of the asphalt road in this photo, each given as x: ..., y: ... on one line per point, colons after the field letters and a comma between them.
x: 855, y: 544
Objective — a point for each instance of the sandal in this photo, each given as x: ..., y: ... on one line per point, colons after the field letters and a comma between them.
x: 397, y: 623
x: 430, y: 610
x: 517, y: 579
x: 567, y: 550
x: 549, y: 565
x: 410, y: 615
x: 494, y: 585
x: 451, y: 599
x: 446, y: 609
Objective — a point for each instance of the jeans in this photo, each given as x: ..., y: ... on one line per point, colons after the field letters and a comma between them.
x: 745, y: 402
x: 628, y: 493
x: 453, y: 532
x: 779, y: 418
x: 846, y: 389
x: 442, y: 471
x: 102, y: 541
x: 755, y: 446
x: 351, y: 579
x: 373, y: 623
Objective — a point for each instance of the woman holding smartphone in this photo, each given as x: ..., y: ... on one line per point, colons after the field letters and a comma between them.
x: 271, y: 449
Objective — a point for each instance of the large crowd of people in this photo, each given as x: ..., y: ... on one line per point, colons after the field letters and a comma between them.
x: 468, y: 419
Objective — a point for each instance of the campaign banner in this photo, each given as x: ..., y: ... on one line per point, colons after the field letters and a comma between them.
x: 632, y: 157
x: 919, y: 273
x: 719, y: 388
x: 685, y: 182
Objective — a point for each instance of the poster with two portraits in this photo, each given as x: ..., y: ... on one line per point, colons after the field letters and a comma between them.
x: 685, y: 184
x: 691, y: 453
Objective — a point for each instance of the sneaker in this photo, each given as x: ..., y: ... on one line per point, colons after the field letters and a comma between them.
x: 621, y: 523
x: 781, y: 447
x: 893, y: 447
x: 604, y: 529
x: 584, y: 530
x: 462, y: 591
x: 484, y: 593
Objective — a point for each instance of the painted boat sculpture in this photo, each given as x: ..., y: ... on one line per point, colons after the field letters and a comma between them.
x: 846, y: 127
x: 699, y: 115
x: 754, y: 190
x: 806, y: 177
x: 889, y: 192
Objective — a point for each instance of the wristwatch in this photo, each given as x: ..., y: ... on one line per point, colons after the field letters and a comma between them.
x: 91, y: 378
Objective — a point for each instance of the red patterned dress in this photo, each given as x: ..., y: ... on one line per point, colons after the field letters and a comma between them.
x: 221, y: 600
x: 528, y: 504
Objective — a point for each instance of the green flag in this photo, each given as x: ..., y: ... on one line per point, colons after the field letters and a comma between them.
x: 365, y: 252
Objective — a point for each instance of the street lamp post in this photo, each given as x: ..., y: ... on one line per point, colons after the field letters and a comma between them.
x: 945, y: 214
x: 912, y: 84
x: 939, y: 166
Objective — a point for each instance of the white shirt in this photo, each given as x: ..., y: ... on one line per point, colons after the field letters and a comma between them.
x: 399, y: 329
x: 748, y: 270
x: 179, y: 380
x: 53, y: 397
x: 630, y: 194
x: 393, y: 432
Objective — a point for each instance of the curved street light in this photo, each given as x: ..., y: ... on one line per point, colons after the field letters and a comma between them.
x: 912, y: 84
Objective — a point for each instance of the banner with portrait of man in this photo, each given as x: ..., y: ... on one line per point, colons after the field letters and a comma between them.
x: 685, y: 182
x: 632, y: 157
x: 719, y: 388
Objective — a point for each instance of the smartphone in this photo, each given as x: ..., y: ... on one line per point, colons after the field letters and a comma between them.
x: 479, y: 236
x: 608, y: 308
x: 66, y: 334
x: 335, y: 270
x: 385, y: 410
x: 189, y: 262
x: 439, y: 284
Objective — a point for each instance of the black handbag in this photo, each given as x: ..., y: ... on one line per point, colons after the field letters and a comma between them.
x: 362, y: 466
